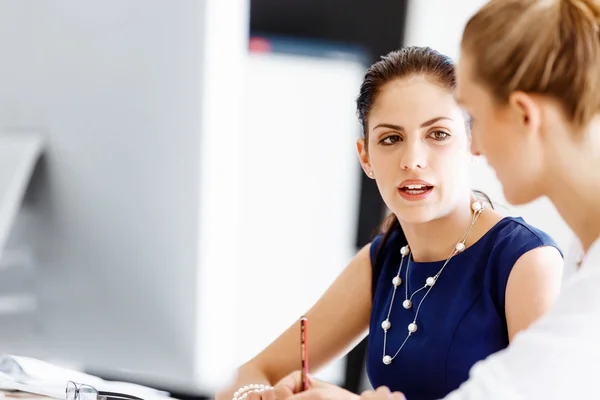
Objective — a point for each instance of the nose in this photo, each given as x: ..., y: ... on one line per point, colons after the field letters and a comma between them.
x: 475, y: 149
x: 415, y: 156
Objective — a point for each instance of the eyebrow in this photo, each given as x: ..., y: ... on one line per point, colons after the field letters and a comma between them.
x: 423, y: 125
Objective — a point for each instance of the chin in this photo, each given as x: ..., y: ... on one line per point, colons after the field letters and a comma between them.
x: 518, y: 195
x: 521, y: 185
x: 417, y: 215
x: 415, y: 212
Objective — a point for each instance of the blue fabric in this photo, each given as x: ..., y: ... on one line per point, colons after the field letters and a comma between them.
x: 461, y: 321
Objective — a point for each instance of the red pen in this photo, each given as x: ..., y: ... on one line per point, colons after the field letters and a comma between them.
x: 303, y: 354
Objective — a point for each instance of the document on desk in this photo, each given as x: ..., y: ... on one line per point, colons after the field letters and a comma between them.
x: 29, y: 375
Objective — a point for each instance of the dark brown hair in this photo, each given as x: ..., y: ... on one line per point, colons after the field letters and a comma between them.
x: 404, y: 63
x: 550, y: 48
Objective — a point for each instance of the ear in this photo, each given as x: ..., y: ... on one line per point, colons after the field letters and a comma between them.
x: 527, y: 110
x: 363, y: 156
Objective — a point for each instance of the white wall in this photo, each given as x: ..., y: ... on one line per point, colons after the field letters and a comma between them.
x: 439, y: 24
x: 220, y: 256
x: 300, y: 190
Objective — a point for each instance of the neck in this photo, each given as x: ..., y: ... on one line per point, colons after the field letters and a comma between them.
x: 577, y: 199
x: 575, y: 184
x: 434, y: 240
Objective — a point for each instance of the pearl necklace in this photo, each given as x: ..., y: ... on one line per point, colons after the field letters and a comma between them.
x: 477, y: 208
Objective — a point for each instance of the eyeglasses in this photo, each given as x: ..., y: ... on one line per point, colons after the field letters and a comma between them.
x: 79, y: 391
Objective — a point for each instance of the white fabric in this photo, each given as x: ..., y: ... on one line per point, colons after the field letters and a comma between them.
x: 558, y: 357
x: 573, y: 258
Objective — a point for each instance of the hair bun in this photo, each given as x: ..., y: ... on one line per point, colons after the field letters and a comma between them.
x: 582, y: 10
x: 551, y: 48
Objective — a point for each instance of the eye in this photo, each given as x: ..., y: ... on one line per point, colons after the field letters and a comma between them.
x: 439, y: 135
x: 390, y: 140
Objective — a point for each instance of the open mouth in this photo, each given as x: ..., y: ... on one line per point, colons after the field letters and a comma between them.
x: 416, y: 189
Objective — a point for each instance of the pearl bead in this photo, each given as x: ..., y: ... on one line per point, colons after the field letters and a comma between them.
x: 430, y: 281
x: 407, y: 304
x: 412, y: 327
x: 243, y: 392
x: 460, y: 246
x: 386, y: 325
x: 397, y: 281
x: 405, y: 250
x: 387, y: 360
x: 476, y: 206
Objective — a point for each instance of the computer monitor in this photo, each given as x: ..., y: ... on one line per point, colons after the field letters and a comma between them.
x: 120, y: 258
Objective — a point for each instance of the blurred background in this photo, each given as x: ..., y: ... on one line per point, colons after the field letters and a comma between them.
x: 178, y: 179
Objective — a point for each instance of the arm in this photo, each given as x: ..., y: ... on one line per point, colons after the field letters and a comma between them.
x: 532, y: 288
x: 338, y: 319
x: 554, y: 358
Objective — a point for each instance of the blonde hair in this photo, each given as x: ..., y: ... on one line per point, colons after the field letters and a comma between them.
x: 548, y: 47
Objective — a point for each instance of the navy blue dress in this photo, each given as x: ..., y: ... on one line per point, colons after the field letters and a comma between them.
x: 462, y: 319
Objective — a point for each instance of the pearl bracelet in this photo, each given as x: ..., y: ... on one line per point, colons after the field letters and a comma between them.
x: 243, y: 392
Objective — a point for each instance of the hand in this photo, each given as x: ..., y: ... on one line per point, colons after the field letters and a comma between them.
x: 290, y: 388
x: 287, y: 387
x: 382, y: 393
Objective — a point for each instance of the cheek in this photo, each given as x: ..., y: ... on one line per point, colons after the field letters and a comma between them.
x: 488, y: 139
x: 382, y: 164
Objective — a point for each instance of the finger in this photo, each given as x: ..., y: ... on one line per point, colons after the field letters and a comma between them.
x: 383, y: 390
x: 254, y: 396
x: 310, y: 394
x: 314, y: 382
x: 292, y: 382
x: 282, y: 391
x: 367, y: 394
x: 397, y: 396
x: 268, y: 395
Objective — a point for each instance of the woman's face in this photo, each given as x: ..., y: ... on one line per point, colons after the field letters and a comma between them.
x: 505, y: 135
x: 417, y: 150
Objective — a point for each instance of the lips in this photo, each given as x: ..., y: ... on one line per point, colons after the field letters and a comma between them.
x: 415, y: 184
x: 415, y: 189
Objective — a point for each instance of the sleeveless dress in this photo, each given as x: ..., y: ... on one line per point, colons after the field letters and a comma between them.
x: 461, y: 321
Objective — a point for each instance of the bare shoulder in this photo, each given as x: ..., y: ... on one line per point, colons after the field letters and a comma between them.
x: 486, y: 221
x: 534, y: 280
x: 490, y: 218
x: 533, y: 287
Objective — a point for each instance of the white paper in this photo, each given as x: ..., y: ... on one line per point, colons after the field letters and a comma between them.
x: 36, y: 376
